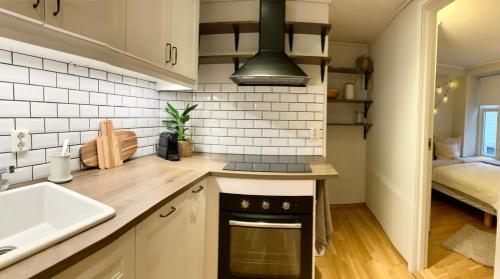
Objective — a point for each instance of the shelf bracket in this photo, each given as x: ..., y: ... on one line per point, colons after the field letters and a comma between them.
x: 322, y: 69
x: 236, y: 30
x: 290, y: 36
x: 236, y: 62
x: 367, y: 107
x: 366, y: 128
x: 324, y: 32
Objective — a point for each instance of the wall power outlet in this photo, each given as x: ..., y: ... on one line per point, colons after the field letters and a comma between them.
x: 20, y: 141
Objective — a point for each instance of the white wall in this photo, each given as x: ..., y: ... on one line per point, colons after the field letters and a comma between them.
x: 391, y: 149
x: 345, y: 145
x: 449, y: 121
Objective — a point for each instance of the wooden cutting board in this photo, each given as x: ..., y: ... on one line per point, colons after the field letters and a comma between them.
x: 127, y: 143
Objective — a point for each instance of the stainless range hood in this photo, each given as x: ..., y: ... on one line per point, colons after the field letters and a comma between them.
x: 271, y: 65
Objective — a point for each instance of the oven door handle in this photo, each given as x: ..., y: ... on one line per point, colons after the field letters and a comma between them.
x: 265, y: 225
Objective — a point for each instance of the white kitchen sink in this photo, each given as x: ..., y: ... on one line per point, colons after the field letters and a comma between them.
x: 35, y: 217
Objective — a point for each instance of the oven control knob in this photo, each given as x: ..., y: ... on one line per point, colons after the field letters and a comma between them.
x: 265, y: 205
x: 245, y: 204
x: 286, y: 206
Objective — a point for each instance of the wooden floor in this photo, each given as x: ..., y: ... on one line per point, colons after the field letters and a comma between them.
x: 360, y: 248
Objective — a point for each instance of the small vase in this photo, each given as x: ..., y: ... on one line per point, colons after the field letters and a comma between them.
x: 186, y: 148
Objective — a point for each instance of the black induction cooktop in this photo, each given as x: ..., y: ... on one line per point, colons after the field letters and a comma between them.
x: 268, y: 163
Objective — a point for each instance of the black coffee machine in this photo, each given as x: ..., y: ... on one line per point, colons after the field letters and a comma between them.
x: 169, y: 147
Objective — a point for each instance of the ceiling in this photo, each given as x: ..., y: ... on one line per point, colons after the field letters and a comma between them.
x: 469, y: 33
x: 359, y: 21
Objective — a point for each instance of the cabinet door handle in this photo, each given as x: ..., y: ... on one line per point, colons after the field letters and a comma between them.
x: 198, y: 190
x: 169, y: 54
x: 58, y: 8
x: 175, y: 56
x: 36, y: 4
x: 172, y: 210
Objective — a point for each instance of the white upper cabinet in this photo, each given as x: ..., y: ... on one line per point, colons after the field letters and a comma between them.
x: 27, y: 9
x: 165, y: 33
x: 148, y: 29
x: 184, y: 37
x: 101, y: 20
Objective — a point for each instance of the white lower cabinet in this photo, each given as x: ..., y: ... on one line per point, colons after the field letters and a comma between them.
x: 169, y: 244
x: 115, y: 261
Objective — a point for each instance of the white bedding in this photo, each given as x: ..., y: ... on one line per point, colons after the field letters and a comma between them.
x: 478, y: 180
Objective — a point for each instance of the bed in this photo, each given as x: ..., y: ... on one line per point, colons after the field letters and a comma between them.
x: 473, y: 181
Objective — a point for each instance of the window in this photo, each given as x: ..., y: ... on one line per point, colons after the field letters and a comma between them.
x: 489, y: 131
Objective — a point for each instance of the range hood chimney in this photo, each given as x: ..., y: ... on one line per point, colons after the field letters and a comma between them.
x: 271, y: 65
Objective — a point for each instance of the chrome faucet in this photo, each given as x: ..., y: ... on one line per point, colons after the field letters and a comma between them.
x: 4, y: 183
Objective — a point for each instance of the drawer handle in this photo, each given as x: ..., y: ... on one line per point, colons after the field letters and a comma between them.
x: 58, y: 8
x: 172, y: 210
x: 175, y: 56
x: 169, y: 48
x: 198, y: 190
x: 36, y: 4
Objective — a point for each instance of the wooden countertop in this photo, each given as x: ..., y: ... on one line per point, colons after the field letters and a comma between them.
x: 135, y: 190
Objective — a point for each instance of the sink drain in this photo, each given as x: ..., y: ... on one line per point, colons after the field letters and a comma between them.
x: 6, y: 249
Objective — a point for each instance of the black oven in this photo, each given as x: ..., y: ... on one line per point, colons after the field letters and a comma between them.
x: 265, y: 237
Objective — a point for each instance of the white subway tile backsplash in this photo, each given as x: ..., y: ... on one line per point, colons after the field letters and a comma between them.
x: 41, y: 171
x: 78, y: 70
x: 4, y: 144
x: 212, y: 87
x: 106, y: 111
x: 68, y: 81
x: 33, y: 125
x: 79, y: 124
x: 6, y: 125
x: 39, y: 141
x: 6, y: 91
x: 288, y: 98
x: 40, y: 77
x: 279, y: 107
x: 14, y: 109
x: 55, y: 66
x: 261, y: 141
x: 5, y: 56
x: 26, y: 92
x: 20, y: 175
x: 106, y: 87
x: 89, y: 111
x: 56, y: 95
x: 89, y: 84
x: 68, y: 110
x: 229, y: 87
x: 78, y: 97
x: 29, y: 158
x: 11, y: 73
x: 98, y: 74
x: 98, y: 98
x: 122, y: 89
x: 56, y: 125
x: 115, y: 78
x: 115, y: 100
x: 27, y: 61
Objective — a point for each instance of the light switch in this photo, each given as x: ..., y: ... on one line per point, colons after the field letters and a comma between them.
x: 19, y: 141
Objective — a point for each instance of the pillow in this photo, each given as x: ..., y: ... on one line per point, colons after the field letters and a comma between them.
x: 447, y: 151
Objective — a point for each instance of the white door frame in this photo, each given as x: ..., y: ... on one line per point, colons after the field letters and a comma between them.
x: 427, y: 80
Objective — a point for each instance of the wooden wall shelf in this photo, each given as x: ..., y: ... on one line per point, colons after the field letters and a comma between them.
x: 291, y: 28
x: 366, y: 103
x: 236, y: 59
x: 343, y: 70
x: 366, y: 126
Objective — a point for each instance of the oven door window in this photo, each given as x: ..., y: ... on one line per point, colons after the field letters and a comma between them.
x: 265, y: 250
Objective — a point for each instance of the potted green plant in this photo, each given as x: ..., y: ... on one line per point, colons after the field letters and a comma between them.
x: 177, y: 125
